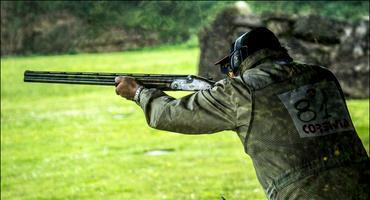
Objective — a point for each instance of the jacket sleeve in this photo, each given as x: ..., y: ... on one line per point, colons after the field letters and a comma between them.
x: 206, y: 111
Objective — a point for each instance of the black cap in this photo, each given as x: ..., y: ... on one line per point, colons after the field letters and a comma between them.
x: 256, y: 39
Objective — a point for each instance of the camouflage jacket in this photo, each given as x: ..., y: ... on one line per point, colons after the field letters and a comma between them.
x: 291, y: 118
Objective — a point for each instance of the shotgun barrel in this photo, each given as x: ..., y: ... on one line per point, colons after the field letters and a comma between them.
x: 165, y: 82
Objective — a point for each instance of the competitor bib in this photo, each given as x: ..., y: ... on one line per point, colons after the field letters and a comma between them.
x: 317, y: 109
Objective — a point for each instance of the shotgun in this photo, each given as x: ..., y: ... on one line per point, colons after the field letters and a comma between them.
x: 164, y: 82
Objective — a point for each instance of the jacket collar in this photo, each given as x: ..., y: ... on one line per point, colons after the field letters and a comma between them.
x: 261, y: 55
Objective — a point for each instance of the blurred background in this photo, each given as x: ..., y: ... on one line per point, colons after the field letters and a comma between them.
x: 84, y: 142
x: 48, y: 27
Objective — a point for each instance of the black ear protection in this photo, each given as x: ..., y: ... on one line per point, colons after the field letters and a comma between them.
x: 238, y: 52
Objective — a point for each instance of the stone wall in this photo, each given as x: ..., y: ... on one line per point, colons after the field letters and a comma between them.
x: 341, y: 46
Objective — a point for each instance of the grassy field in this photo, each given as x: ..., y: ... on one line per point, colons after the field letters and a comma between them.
x: 84, y: 142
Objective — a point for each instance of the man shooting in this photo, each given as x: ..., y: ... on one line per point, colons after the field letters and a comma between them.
x: 291, y: 118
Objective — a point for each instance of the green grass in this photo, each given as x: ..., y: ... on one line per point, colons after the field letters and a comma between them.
x: 84, y: 142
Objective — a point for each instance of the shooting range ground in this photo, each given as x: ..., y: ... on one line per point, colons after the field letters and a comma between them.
x: 84, y: 142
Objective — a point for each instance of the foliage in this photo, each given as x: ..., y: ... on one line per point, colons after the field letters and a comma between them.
x: 174, y: 20
x: 84, y: 142
x: 342, y: 10
x: 25, y: 24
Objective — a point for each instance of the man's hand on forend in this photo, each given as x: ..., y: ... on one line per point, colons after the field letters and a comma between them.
x: 126, y: 87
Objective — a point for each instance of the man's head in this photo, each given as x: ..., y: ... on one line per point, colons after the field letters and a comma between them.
x: 245, y: 45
